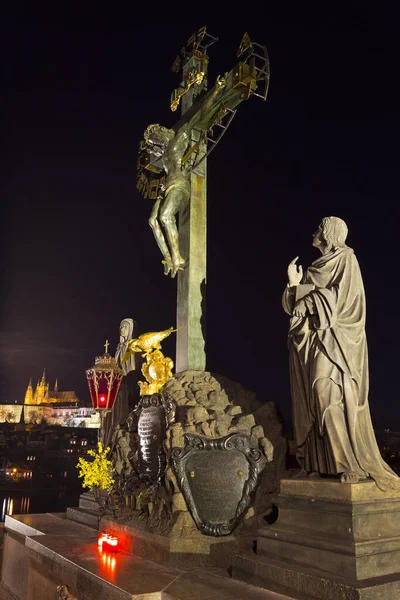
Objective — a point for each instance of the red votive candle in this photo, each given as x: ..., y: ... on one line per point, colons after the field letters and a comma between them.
x: 112, y: 543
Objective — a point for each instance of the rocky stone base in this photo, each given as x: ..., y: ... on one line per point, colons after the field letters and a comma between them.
x: 208, y: 405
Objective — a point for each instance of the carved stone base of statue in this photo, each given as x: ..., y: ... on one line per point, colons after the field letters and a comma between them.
x: 331, y: 540
x: 218, y: 476
x: 188, y: 550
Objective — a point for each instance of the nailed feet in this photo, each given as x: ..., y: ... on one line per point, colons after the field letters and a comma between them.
x: 178, y: 265
x: 172, y: 267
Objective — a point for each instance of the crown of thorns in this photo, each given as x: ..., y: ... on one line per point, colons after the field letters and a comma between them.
x: 154, y: 128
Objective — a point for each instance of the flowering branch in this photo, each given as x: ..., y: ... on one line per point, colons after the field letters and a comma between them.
x: 97, y: 473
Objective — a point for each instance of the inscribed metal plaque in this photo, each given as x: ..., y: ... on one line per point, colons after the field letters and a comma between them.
x: 151, y: 431
x: 217, y: 478
x: 154, y: 415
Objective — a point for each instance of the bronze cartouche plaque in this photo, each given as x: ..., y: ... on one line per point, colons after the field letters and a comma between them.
x: 218, y: 478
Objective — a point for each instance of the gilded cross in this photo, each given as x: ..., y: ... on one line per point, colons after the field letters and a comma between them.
x: 106, y: 346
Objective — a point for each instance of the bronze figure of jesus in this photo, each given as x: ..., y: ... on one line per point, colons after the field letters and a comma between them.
x: 171, y: 146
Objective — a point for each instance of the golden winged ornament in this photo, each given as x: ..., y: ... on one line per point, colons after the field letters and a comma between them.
x: 158, y: 368
x: 147, y: 342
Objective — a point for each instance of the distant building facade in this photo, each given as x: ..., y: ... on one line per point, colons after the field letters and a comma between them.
x: 54, y: 406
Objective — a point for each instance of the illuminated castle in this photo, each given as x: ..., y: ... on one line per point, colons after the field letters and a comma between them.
x: 42, y: 393
x: 53, y: 406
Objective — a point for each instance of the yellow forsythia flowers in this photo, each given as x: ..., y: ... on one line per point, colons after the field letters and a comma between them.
x: 97, y: 473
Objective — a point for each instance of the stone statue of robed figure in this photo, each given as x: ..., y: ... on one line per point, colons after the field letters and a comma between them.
x: 128, y: 395
x: 329, y: 364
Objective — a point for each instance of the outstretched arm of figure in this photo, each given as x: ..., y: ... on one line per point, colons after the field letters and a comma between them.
x: 207, y: 104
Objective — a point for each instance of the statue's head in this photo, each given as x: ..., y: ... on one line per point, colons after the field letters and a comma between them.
x: 126, y: 328
x: 330, y: 235
x: 157, y: 135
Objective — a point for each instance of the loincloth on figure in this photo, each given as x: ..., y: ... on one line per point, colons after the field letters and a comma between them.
x: 182, y: 184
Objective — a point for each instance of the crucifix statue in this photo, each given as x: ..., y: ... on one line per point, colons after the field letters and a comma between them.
x: 172, y: 171
x: 171, y: 147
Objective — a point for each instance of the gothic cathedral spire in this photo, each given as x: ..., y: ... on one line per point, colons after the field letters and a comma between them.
x: 42, y: 390
x: 29, y: 393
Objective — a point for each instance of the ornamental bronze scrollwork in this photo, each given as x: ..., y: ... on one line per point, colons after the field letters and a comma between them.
x: 217, y: 478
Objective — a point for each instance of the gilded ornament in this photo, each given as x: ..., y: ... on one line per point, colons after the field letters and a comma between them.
x: 194, y: 77
x: 147, y: 342
x: 158, y: 368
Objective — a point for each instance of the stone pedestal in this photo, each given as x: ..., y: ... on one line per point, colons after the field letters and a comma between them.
x: 196, y: 550
x: 331, y: 540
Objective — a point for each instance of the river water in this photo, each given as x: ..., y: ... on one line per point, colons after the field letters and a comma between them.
x: 20, y: 503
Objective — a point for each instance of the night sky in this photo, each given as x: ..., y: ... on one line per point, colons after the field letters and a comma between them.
x: 77, y: 252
